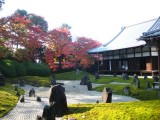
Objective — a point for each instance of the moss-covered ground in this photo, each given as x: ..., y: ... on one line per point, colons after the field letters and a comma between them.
x: 8, y: 98
x: 143, y: 110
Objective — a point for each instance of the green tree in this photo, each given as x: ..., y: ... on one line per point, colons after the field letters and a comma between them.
x: 1, y: 2
x: 65, y: 25
x: 35, y: 19
x: 38, y: 21
x: 21, y: 13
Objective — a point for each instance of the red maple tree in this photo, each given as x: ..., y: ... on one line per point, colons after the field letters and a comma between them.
x: 82, y: 45
x: 18, y: 36
x: 59, y: 49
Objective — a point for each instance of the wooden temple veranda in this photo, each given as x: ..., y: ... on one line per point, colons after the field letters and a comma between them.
x: 125, y: 53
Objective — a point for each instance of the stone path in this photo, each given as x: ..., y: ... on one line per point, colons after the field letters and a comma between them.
x: 75, y: 93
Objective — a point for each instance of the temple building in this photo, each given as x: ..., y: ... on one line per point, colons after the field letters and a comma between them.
x: 126, y: 52
x: 152, y: 38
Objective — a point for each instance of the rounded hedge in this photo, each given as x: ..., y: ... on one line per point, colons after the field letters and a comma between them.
x: 12, y: 68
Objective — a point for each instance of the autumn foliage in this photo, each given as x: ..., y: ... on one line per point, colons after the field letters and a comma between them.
x: 82, y: 45
x: 20, y: 39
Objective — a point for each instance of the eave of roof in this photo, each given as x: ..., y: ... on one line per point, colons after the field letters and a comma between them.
x: 154, y: 31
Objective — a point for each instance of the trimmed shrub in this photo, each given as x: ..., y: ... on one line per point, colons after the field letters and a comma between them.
x: 37, y: 69
x: 7, y: 68
x: 11, y: 68
x: 20, y: 69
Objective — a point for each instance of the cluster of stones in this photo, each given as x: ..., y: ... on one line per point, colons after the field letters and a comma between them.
x: 86, y: 81
x: 30, y: 94
x: 125, y: 76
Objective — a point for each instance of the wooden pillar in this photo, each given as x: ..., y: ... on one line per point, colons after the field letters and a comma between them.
x: 98, y: 63
x: 159, y: 59
x: 159, y: 65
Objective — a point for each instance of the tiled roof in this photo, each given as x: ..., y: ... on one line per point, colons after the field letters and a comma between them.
x: 154, y: 31
x: 126, y: 38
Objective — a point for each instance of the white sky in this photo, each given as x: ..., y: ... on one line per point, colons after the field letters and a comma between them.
x: 97, y: 19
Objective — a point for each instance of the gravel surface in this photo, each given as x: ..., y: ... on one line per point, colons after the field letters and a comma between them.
x: 75, y: 93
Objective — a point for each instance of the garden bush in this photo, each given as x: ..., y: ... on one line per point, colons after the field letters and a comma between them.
x: 20, y: 69
x: 7, y: 68
x: 37, y: 69
x: 12, y: 68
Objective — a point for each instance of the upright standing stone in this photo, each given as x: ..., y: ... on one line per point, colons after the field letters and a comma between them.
x: 125, y: 76
x: 155, y: 79
x: 53, y: 79
x: 89, y: 85
x: 115, y: 75
x: 32, y: 93
x: 107, y: 95
x: 49, y: 112
x: 136, y: 81
x: 147, y: 82
x: 22, y: 98
x: 22, y: 83
x: 96, y: 76
x: 145, y: 77
x: 127, y: 90
x: 17, y: 93
x: 38, y: 117
x: 16, y: 87
x: 38, y: 99
x: 84, y: 80
x: 57, y: 96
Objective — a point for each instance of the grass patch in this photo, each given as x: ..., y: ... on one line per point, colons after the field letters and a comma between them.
x: 8, y: 98
x: 32, y: 80
x: 108, y: 79
x: 46, y: 81
x: 144, y: 110
x: 71, y: 76
x: 140, y: 93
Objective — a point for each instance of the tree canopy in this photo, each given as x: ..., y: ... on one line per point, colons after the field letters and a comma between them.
x: 36, y: 20
x: 24, y: 37
x: 1, y: 3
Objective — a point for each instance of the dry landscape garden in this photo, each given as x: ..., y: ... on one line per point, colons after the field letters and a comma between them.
x: 147, y: 108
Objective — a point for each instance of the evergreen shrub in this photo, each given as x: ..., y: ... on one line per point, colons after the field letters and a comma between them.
x: 20, y: 69
x: 37, y: 69
x: 12, y: 68
x: 7, y: 68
